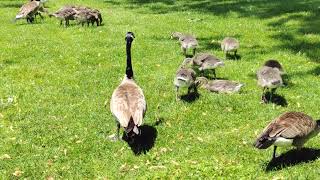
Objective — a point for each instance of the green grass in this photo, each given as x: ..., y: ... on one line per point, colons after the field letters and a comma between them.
x: 60, y: 78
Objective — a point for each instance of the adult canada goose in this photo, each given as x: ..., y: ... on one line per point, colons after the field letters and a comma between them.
x: 269, y: 78
x: 289, y: 129
x: 207, y: 61
x: 230, y: 44
x: 186, y: 41
x: 219, y: 86
x: 128, y: 104
x: 28, y: 11
x: 65, y: 14
x: 185, y: 78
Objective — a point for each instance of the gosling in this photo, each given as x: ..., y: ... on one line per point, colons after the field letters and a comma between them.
x: 230, y: 44
x: 219, y: 86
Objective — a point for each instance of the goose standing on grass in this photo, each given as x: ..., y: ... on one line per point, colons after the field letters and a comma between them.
x: 269, y: 78
x: 128, y: 104
x: 230, y: 44
x: 65, y: 14
x: 185, y: 78
x: 29, y: 10
x: 219, y: 86
x: 207, y: 61
x: 289, y: 129
x: 186, y: 41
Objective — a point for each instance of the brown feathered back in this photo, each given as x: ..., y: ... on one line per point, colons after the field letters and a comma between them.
x: 28, y: 9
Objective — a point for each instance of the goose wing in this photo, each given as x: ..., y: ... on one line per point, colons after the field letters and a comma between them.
x: 268, y: 76
x: 127, y: 102
x: 28, y: 8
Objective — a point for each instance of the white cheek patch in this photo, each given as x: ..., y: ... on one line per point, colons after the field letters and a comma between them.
x: 136, y: 130
x: 283, y: 142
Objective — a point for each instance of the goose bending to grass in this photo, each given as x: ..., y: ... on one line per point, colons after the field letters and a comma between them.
x: 128, y: 104
x: 289, y: 129
x: 186, y: 41
x: 29, y: 10
x: 64, y: 14
x: 269, y: 78
x: 207, y: 61
x: 219, y: 86
x: 230, y: 44
x: 185, y: 78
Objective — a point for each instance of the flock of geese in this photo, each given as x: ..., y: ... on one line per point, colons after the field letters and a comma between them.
x: 128, y: 104
x: 81, y: 14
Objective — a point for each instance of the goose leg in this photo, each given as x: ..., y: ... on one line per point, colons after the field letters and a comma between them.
x: 214, y: 74
x: 177, y: 89
x: 235, y: 54
x: 194, y: 51
x: 263, y: 97
x: 274, y: 152
x: 184, y: 50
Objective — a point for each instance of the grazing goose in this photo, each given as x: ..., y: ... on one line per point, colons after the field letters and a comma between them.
x: 289, y: 129
x: 207, y: 61
x: 186, y: 41
x: 185, y: 78
x: 128, y: 104
x: 65, y: 14
x: 269, y: 78
x: 28, y: 11
x: 230, y: 44
x: 219, y: 86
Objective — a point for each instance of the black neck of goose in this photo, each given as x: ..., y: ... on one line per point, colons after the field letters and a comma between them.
x: 129, y: 71
x: 318, y: 123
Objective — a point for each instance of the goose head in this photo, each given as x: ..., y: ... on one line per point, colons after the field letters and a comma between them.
x: 129, y: 36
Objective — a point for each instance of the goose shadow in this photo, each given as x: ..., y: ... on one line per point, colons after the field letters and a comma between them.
x: 235, y: 57
x: 144, y: 142
x: 190, y: 97
x: 276, y: 99
x: 292, y: 158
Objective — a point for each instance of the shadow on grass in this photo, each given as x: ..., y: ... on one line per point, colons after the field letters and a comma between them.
x: 292, y: 158
x: 144, y: 142
x: 276, y: 99
x: 191, y: 97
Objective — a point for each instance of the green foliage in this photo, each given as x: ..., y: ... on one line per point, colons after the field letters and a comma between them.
x: 55, y: 80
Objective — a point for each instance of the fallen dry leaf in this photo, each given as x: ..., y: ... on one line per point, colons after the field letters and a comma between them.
x: 49, y: 178
x: 5, y: 156
x: 200, y: 139
x: 17, y: 173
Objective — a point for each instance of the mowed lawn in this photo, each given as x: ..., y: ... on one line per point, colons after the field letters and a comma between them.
x: 54, y: 82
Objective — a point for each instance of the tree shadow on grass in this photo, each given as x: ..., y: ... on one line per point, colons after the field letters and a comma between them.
x: 292, y: 158
x: 144, y: 142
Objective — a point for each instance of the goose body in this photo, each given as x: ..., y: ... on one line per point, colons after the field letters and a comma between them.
x: 184, y: 78
x: 65, y: 14
x: 28, y: 11
x: 128, y: 104
x: 186, y: 42
x: 269, y: 77
x: 289, y: 129
x: 230, y: 44
x: 207, y: 61
x: 220, y: 86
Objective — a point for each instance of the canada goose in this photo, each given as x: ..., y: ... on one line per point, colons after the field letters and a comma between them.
x: 88, y: 16
x: 219, y: 86
x: 128, y: 104
x: 230, y: 44
x: 28, y: 11
x: 269, y: 78
x: 185, y: 78
x: 289, y: 129
x: 207, y: 61
x: 65, y: 14
x: 186, y: 41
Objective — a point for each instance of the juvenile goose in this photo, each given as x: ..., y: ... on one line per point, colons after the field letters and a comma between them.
x: 269, y: 78
x: 207, y: 61
x: 65, y: 14
x: 289, y: 129
x: 219, y: 86
x: 128, y: 104
x: 28, y: 11
x: 185, y: 78
x: 186, y: 41
x: 230, y: 44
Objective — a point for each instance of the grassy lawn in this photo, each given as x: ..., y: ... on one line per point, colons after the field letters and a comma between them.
x: 54, y: 82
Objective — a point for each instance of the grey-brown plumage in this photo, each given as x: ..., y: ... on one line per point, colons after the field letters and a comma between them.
x: 207, y: 61
x: 128, y: 104
x: 269, y: 78
x: 289, y: 129
x: 184, y: 78
x: 28, y: 11
x: 219, y: 86
x: 88, y: 15
x: 186, y: 41
x: 65, y: 14
x: 230, y: 44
